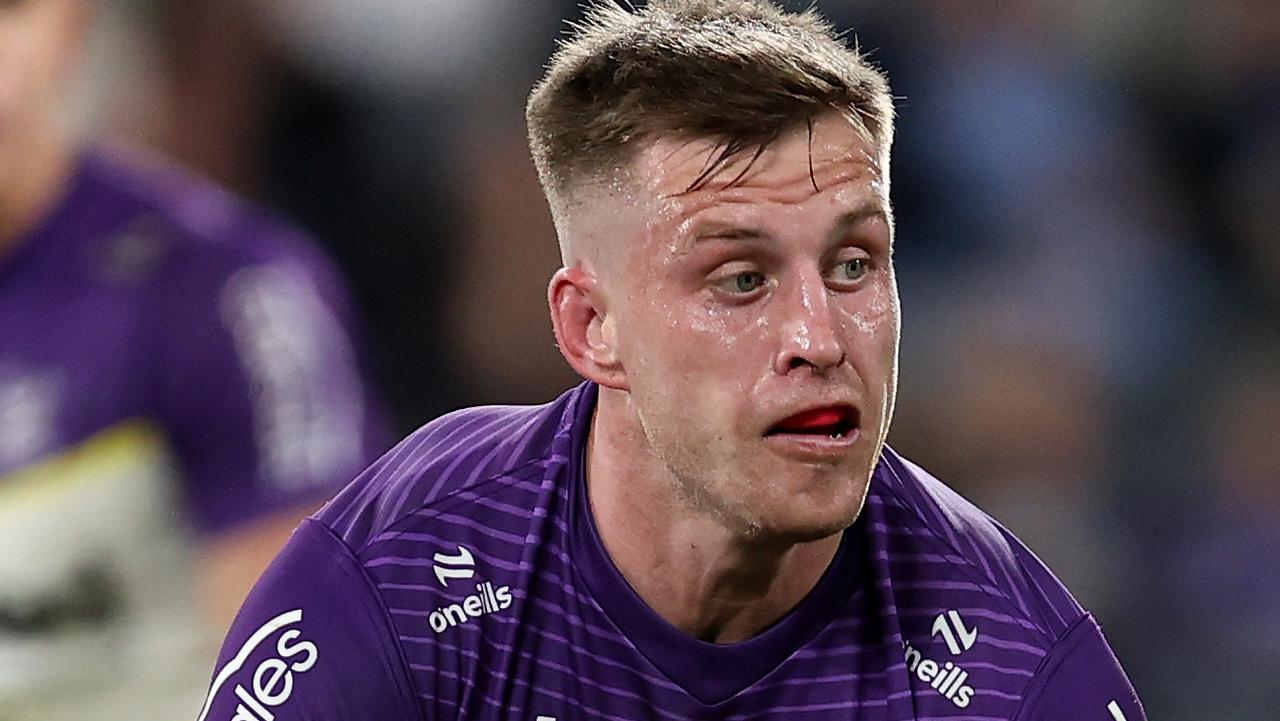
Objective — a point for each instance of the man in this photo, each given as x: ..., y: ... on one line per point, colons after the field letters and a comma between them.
x: 711, y: 527
x: 177, y: 390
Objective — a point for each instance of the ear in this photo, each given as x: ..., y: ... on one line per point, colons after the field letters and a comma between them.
x: 584, y: 331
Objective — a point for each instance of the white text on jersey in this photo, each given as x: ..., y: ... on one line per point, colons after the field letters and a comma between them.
x: 947, y: 678
x: 487, y: 600
x: 271, y: 683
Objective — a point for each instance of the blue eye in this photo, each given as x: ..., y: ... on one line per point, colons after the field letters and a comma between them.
x: 853, y: 269
x: 747, y: 282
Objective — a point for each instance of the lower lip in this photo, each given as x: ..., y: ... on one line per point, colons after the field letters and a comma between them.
x: 812, y: 447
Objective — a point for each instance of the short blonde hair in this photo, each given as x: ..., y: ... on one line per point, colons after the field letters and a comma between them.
x: 739, y: 72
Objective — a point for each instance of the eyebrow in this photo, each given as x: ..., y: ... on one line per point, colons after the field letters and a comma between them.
x: 863, y: 213
x: 724, y: 231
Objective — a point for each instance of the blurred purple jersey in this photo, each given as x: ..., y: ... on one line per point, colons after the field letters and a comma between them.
x: 170, y: 359
x: 462, y: 576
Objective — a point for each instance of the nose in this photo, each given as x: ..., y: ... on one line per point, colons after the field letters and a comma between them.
x: 809, y: 328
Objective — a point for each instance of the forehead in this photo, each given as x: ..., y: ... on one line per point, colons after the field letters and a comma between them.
x: 829, y: 154
x: 805, y: 176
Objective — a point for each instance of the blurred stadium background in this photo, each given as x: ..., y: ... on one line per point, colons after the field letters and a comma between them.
x: 1088, y: 205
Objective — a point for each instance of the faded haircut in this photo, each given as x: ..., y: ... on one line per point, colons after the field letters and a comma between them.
x: 738, y: 72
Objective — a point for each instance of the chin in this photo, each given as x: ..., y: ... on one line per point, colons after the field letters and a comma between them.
x: 812, y: 523
x: 821, y: 505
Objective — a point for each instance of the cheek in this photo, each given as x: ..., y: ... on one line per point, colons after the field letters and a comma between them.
x: 680, y: 325
x: 873, y: 321
x: 724, y: 334
x: 694, y: 361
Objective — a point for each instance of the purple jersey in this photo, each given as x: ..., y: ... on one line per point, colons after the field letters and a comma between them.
x: 462, y: 576
x: 170, y: 359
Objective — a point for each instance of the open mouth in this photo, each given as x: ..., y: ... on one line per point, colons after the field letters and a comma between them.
x: 828, y: 421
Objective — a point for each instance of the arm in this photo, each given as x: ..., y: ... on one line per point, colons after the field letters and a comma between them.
x: 265, y: 404
x: 261, y: 390
x: 231, y: 561
x: 313, y: 641
x: 1081, y: 680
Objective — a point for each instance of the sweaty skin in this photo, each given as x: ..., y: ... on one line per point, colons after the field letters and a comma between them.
x: 715, y: 314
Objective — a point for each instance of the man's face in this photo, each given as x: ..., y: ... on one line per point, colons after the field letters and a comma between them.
x: 758, y: 324
x: 36, y: 39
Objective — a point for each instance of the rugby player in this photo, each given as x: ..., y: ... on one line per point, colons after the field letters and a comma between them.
x: 711, y: 526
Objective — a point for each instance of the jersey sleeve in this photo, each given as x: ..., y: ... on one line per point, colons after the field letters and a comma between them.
x: 313, y: 641
x: 263, y: 394
x: 1081, y: 680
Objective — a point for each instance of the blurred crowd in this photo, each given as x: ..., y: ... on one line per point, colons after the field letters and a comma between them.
x: 1088, y: 246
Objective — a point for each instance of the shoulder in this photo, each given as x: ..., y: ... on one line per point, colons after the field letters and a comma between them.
x: 921, y: 513
x: 447, y: 463
x: 313, y: 640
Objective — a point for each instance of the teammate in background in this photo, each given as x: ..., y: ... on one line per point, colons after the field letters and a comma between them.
x: 177, y: 389
x: 710, y: 527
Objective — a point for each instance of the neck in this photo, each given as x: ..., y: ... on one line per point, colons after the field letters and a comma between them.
x: 30, y: 186
x: 707, y: 575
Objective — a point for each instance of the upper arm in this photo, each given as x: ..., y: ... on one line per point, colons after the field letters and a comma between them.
x: 1081, y: 680
x: 261, y: 387
x: 313, y: 641
x: 231, y: 561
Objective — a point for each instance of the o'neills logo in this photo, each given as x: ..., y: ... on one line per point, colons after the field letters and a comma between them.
x: 486, y: 600
x: 271, y: 681
x: 947, y: 678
